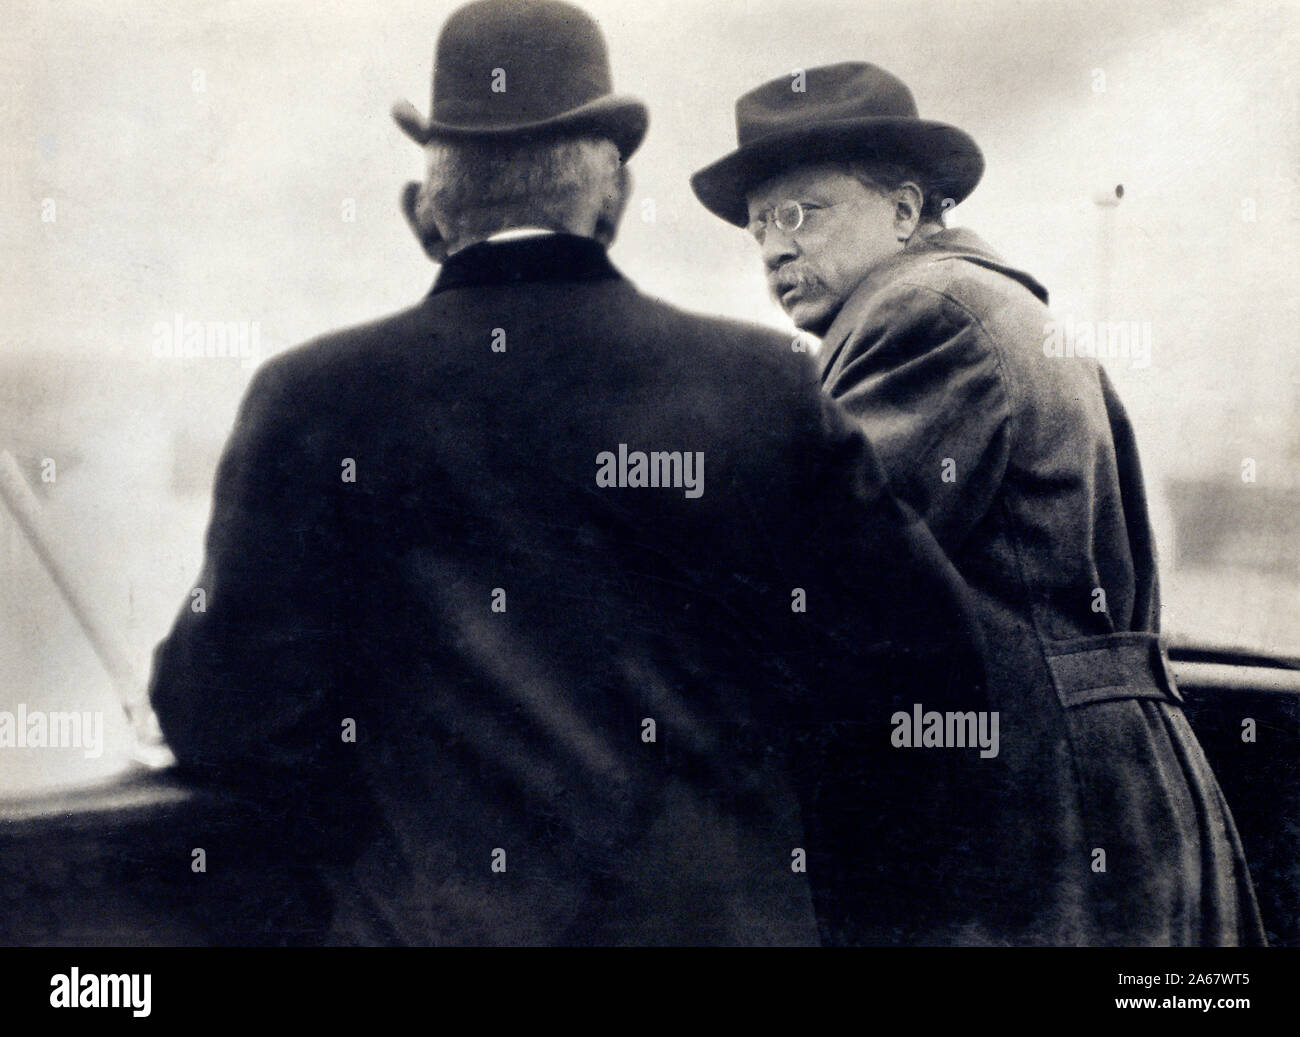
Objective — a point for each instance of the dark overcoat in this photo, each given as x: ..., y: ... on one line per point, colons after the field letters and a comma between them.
x: 1108, y: 825
x: 509, y: 694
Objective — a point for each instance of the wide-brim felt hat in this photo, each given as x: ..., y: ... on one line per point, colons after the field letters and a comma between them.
x: 849, y: 111
x: 527, y: 69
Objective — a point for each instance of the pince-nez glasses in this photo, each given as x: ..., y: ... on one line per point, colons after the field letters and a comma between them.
x: 788, y: 216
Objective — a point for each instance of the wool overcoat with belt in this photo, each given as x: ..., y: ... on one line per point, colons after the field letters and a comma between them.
x: 1101, y: 819
x: 527, y: 611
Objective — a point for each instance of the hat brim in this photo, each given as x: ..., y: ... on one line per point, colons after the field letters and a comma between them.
x: 948, y: 158
x: 623, y: 120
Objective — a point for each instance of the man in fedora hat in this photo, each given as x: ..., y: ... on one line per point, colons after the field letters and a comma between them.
x: 1105, y: 821
x: 517, y: 598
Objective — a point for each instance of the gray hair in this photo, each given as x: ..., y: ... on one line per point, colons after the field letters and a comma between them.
x: 888, y: 176
x: 477, y: 187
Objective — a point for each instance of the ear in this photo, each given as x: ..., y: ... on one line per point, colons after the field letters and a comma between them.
x: 422, y: 224
x: 907, y: 199
x: 612, y: 208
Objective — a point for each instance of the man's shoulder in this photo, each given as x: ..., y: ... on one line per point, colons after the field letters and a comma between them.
x: 984, y: 291
x: 442, y: 331
x: 978, y: 311
x: 344, y: 362
x: 351, y: 345
x: 615, y: 304
x: 920, y: 302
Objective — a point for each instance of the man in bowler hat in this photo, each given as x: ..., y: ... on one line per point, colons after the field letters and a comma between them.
x: 535, y: 600
x: 1103, y: 823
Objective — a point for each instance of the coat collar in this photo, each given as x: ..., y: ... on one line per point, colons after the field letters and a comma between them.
x: 950, y: 243
x: 550, y: 257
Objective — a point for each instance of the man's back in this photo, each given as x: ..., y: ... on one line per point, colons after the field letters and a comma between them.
x: 569, y: 691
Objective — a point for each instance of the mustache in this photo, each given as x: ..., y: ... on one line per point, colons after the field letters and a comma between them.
x: 782, y: 280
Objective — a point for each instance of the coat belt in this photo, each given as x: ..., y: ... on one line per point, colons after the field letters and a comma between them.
x: 1111, y: 666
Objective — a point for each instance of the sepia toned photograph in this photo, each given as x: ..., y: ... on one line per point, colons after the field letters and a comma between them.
x: 533, y: 473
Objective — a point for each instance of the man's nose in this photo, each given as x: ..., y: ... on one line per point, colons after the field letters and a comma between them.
x: 778, y: 247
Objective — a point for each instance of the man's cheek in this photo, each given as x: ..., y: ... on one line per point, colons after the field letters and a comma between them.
x: 831, y: 278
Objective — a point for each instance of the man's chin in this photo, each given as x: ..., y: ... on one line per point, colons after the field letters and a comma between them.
x: 812, y: 317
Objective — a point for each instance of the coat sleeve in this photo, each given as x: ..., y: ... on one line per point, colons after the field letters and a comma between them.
x: 924, y: 380
x: 244, y: 684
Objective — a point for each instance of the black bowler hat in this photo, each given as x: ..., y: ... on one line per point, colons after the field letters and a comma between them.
x: 523, y: 68
x: 848, y: 111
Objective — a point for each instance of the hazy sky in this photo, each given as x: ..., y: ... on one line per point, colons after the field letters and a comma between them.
x: 200, y: 155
